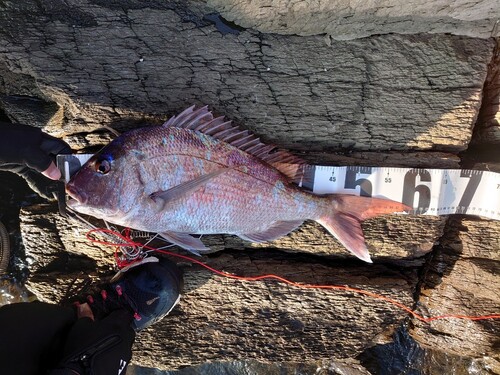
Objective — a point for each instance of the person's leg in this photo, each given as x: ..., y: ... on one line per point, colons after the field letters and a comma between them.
x: 32, y: 335
x: 36, y: 337
x: 135, y: 299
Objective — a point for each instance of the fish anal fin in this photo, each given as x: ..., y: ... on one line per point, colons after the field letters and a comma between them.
x: 179, y: 191
x: 186, y: 241
x: 275, y: 231
x: 347, y: 229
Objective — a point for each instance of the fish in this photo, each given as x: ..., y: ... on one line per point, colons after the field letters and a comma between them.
x: 198, y: 174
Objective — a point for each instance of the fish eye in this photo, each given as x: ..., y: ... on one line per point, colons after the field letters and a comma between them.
x: 102, y: 166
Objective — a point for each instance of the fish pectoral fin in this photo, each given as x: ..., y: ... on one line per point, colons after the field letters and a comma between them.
x: 186, y: 241
x: 276, y: 230
x: 185, y: 188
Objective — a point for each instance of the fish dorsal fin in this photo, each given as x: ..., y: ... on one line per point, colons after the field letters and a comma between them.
x: 202, y: 120
x: 190, y: 118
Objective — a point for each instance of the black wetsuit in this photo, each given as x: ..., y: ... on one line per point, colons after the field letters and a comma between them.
x: 43, y: 338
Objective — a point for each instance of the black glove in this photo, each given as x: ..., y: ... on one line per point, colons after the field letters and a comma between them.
x: 26, y: 151
x: 100, y: 347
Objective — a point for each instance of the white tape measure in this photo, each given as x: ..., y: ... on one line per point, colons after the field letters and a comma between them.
x: 429, y: 191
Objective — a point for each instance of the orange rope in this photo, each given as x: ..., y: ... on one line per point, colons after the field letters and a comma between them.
x: 128, y: 242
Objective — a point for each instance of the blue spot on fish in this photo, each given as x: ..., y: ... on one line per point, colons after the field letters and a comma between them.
x: 179, y: 172
x: 164, y: 141
x: 258, y: 199
x: 139, y: 154
x: 205, y: 140
x: 277, y: 189
x: 198, y: 164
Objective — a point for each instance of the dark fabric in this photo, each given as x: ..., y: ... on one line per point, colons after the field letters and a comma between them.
x: 26, y: 150
x: 32, y: 336
x: 101, y: 347
x: 22, y: 144
x: 64, y: 371
x: 41, y: 338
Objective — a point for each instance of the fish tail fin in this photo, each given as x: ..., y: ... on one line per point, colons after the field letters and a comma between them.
x: 343, y: 220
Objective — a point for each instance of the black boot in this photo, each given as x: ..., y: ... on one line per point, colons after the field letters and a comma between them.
x: 149, y: 290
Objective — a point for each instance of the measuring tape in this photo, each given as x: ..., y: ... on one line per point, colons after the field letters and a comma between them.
x: 429, y: 191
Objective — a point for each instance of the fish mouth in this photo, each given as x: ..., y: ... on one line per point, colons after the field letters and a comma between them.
x: 79, y: 200
x: 77, y: 197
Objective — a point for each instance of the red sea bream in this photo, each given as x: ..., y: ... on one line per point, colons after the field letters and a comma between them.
x: 197, y: 174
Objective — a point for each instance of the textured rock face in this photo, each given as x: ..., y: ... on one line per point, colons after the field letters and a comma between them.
x: 488, y: 122
x: 466, y: 270
x: 387, y: 100
x: 114, y: 66
x: 344, y: 367
x: 343, y: 20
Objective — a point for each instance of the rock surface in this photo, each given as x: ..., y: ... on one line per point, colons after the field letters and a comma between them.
x: 343, y: 20
x: 124, y: 65
x: 488, y: 124
x: 387, y: 100
x: 466, y: 269
x: 345, y: 367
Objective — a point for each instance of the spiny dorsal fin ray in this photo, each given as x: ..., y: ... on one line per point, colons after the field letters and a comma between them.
x: 178, y: 119
x: 240, y: 143
x: 265, y: 150
x: 213, y: 126
x: 190, y: 118
x: 202, y: 120
x: 249, y: 145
